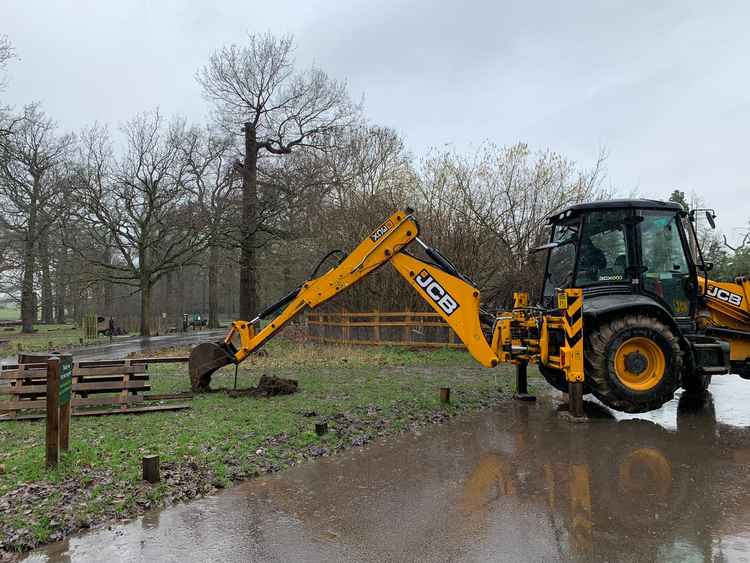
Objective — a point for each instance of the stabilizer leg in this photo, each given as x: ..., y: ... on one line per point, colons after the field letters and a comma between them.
x: 522, y: 384
x: 575, y: 399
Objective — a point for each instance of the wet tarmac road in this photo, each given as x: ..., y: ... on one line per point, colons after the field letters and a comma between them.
x: 518, y: 483
x: 121, y: 348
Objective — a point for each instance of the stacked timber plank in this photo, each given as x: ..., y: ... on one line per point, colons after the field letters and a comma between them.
x: 99, y: 387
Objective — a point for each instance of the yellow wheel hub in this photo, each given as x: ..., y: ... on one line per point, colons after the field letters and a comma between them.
x: 640, y: 363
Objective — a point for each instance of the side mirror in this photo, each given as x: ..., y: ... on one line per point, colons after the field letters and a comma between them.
x: 710, y: 218
x: 709, y: 266
x: 547, y: 246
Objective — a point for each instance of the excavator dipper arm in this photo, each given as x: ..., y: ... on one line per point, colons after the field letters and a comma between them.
x: 449, y: 293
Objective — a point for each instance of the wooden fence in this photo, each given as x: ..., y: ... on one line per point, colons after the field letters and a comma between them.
x: 416, y: 329
x: 109, y: 386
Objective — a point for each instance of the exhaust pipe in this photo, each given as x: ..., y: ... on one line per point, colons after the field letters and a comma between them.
x: 205, y: 359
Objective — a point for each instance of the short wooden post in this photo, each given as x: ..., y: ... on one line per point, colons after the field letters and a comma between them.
x: 151, y: 468
x: 53, y: 413
x: 407, y: 326
x: 445, y: 395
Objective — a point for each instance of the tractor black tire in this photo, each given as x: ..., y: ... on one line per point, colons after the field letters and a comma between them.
x: 603, y: 344
x: 556, y: 378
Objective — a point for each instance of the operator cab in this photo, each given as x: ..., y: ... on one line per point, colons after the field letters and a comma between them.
x: 623, y: 247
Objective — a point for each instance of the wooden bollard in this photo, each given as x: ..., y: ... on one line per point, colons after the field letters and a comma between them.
x: 321, y: 428
x: 445, y: 395
x: 151, y: 468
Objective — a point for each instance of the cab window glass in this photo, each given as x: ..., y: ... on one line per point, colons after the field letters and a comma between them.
x: 561, y: 260
x: 602, y: 257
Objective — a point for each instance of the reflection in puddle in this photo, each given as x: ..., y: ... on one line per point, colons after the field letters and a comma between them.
x: 517, y: 483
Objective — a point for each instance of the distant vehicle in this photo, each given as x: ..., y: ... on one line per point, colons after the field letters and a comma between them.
x: 105, y: 326
x: 193, y: 320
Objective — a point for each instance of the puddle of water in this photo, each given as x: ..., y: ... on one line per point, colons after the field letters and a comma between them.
x: 517, y: 483
x: 729, y: 403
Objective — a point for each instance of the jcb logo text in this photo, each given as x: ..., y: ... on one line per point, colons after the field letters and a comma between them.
x: 436, y: 292
x: 724, y: 295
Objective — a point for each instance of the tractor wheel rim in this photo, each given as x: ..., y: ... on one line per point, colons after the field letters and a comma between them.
x: 646, y: 470
x: 640, y: 363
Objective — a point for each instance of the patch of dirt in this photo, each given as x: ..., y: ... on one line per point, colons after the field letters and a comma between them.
x: 268, y: 386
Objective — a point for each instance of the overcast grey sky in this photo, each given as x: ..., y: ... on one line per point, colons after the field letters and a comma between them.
x: 663, y: 86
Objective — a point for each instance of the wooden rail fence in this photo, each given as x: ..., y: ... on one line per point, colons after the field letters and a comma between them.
x: 99, y: 387
x: 414, y: 329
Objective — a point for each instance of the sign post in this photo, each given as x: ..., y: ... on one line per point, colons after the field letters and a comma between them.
x: 59, y: 392
x: 66, y: 392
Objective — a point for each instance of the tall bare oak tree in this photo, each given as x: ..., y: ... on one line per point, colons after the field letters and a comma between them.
x: 280, y: 110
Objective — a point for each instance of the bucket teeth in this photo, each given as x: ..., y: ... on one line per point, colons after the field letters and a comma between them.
x: 205, y: 359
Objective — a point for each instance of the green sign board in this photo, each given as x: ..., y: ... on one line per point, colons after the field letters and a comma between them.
x: 66, y: 378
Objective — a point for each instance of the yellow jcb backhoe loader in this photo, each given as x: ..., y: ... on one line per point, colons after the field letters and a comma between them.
x: 627, y: 311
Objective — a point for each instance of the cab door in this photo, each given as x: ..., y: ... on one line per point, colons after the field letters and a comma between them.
x: 666, y: 270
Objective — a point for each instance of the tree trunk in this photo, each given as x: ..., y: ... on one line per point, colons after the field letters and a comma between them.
x: 145, y: 305
x: 28, y: 305
x: 180, y: 296
x: 60, y: 288
x: 168, y: 304
x: 44, y: 260
x: 248, y: 274
x: 28, y: 312
x: 213, y: 287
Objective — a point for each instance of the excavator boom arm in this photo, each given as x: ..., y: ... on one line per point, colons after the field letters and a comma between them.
x: 449, y: 293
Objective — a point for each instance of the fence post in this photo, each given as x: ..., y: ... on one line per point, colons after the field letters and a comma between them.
x: 407, y: 326
x: 347, y: 327
x: 53, y: 413
x: 125, y: 393
x: 376, y: 318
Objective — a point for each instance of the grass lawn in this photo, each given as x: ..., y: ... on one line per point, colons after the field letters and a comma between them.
x: 9, y: 313
x: 363, y: 394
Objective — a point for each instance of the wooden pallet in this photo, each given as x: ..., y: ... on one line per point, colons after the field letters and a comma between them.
x: 120, y: 385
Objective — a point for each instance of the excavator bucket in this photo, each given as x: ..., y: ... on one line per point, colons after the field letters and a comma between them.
x: 205, y: 359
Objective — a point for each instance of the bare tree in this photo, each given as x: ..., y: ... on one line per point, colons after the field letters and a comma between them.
x: 207, y: 159
x: 139, y: 207
x: 489, y: 209
x: 6, y: 51
x: 6, y: 54
x: 32, y: 192
x: 281, y: 110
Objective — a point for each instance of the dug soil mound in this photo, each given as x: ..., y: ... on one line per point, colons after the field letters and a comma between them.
x: 268, y: 386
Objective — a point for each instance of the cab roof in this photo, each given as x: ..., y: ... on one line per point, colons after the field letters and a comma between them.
x: 615, y: 204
